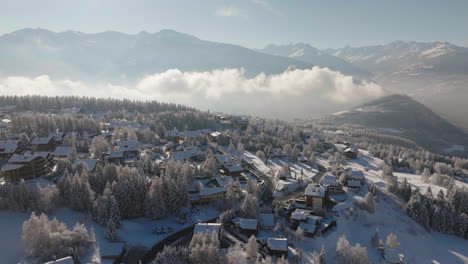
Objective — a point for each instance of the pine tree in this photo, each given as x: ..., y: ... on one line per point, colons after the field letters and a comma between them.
x: 111, y: 230
x: 251, y: 249
x: 370, y: 204
x: 375, y: 239
x: 392, y: 241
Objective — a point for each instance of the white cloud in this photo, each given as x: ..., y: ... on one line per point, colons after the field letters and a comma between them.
x: 293, y: 93
x: 227, y: 11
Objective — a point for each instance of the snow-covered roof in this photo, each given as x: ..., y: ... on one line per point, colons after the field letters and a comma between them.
x: 300, y: 214
x: 56, y: 136
x: 128, y: 145
x: 353, y: 149
x: 10, y: 167
x: 211, y: 191
x: 277, y: 244
x: 186, y: 154
x: 223, y: 158
x: 62, y: 151
x: 90, y: 163
x: 223, y: 181
x: 233, y: 167
x: 329, y: 180
x: 354, y: 183
x: 249, y: 224
x: 22, y: 158
x: 316, y: 191
x: 41, y: 140
x: 308, y: 228
x: 115, y: 155
x: 8, y: 146
x: 66, y: 260
x: 210, y: 227
x: 357, y: 175
x: 172, y: 133
x: 215, y: 134
x: 267, y: 220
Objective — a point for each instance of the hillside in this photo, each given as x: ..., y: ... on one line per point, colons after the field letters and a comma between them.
x: 113, y: 55
x: 401, y: 115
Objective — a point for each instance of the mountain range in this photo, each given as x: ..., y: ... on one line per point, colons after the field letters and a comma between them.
x: 434, y: 73
x: 402, y: 116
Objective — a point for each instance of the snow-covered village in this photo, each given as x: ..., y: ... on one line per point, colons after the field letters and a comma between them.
x: 87, y: 180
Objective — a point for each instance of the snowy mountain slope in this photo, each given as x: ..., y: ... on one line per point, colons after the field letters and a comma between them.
x: 418, y: 244
x: 112, y: 55
x: 307, y: 53
x: 405, y: 117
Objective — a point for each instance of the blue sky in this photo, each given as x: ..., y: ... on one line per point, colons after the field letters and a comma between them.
x: 253, y: 23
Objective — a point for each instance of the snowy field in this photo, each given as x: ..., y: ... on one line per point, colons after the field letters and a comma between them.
x: 135, y: 231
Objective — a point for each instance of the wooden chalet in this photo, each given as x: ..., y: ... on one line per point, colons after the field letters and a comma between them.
x: 248, y: 226
x: 44, y: 143
x: 277, y: 247
x: 25, y: 167
x: 315, y: 197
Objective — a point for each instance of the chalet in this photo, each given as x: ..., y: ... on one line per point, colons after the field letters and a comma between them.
x: 357, y: 176
x: 248, y: 226
x: 8, y: 148
x: 116, y: 157
x: 277, y: 246
x: 351, y: 152
x: 66, y: 260
x: 332, y: 184
x: 173, y: 135
x: 223, y: 159
x: 191, y: 153
x: 267, y: 221
x: 107, y: 135
x: 90, y: 163
x: 209, y: 227
x: 43, y: 143
x: 24, y: 167
x: 129, y: 148
x: 242, y: 122
x: 315, y: 197
x: 224, y: 181
x: 208, y: 194
x: 300, y: 215
x: 354, y: 186
x: 233, y: 169
x: 311, y: 225
x: 57, y: 137
x: 62, y: 152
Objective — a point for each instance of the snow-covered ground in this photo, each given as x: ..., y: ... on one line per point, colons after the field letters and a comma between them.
x: 135, y: 231
x: 418, y: 244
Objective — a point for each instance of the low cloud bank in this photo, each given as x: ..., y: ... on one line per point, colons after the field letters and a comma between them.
x: 293, y: 93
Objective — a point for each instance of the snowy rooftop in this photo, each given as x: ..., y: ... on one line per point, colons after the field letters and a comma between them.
x: 250, y: 224
x: 223, y: 158
x: 308, y: 227
x: 56, y: 136
x: 90, y: 163
x: 8, y: 146
x: 223, y: 181
x: 204, y: 227
x: 171, y: 133
x: 62, y: 151
x: 312, y: 190
x: 300, y: 214
x: 279, y: 244
x: 211, y: 191
x: 128, y: 145
x: 329, y: 180
x: 354, y: 183
x: 9, y: 167
x: 234, y: 167
x: 267, y: 220
x: 22, y: 158
x: 41, y: 141
x: 357, y: 175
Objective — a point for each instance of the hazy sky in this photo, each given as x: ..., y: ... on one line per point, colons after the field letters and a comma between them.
x: 253, y: 23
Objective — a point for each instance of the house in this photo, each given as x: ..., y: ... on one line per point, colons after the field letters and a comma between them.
x: 173, y: 135
x: 267, y: 221
x: 24, y: 167
x: 191, y: 153
x: 57, y: 137
x: 43, y: 143
x: 354, y: 186
x: 248, y: 226
x: 66, y: 260
x: 311, y: 225
x: 357, y: 176
x: 62, y: 152
x: 300, y: 215
x: 90, y: 163
x: 332, y: 184
x: 8, y: 148
x: 209, y: 227
x: 210, y: 194
x: 392, y: 256
x: 315, y: 196
x: 277, y: 246
x: 223, y: 159
x: 351, y: 152
x: 116, y: 157
x: 129, y: 148
x: 233, y: 169
x: 224, y: 181
x: 302, y: 159
x: 242, y: 122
